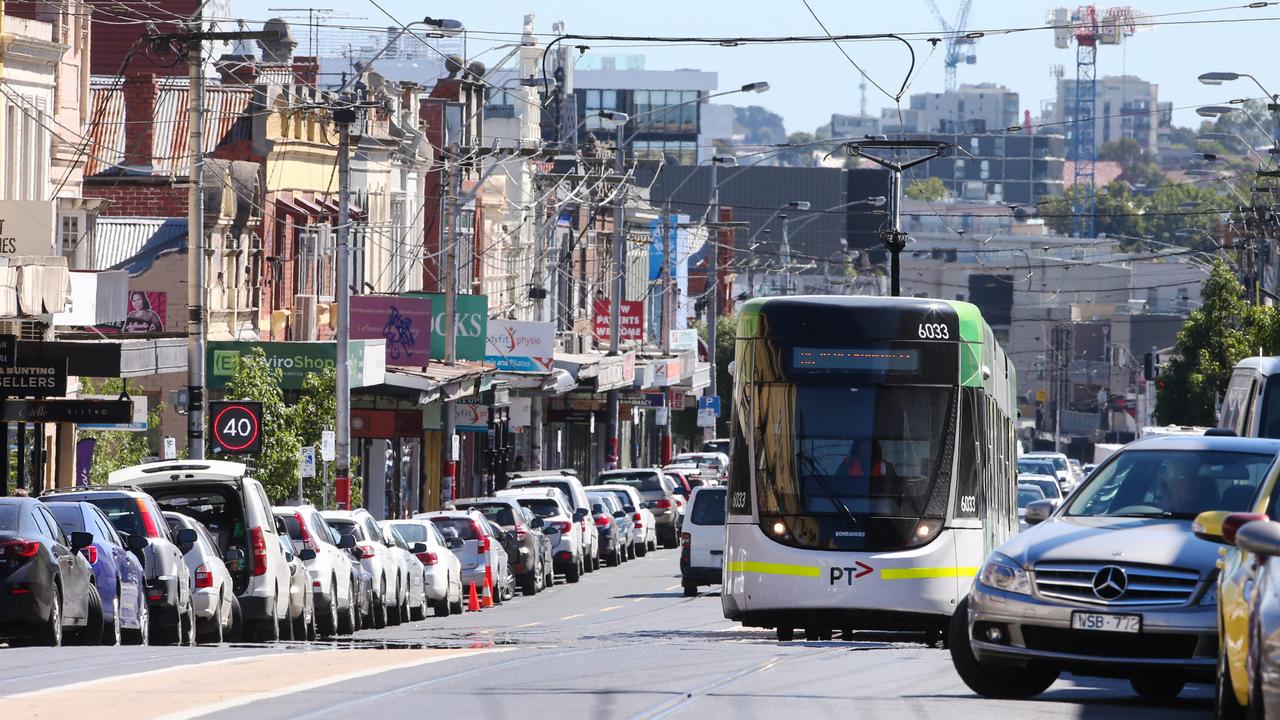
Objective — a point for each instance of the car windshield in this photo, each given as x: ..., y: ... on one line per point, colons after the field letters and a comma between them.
x: 1048, y: 487
x: 411, y: 532
x: 1026, y: 496
x: 642, y: 481
x: 292, y: 525
x: 498, y: 513
x: 708, y: 508
x: 623, y: 499
x: 464, y: 527
x: 346, y: 527
x: 123, y: 514
x: 69, y: 516
x: 8, y: 517
x: 1177, y: 484
x: 543, y: 508
x: 1036, y: 467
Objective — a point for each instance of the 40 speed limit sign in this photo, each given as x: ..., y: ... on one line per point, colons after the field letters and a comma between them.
x: 235, y: 427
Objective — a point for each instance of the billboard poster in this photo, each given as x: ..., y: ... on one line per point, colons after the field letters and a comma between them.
x: 147, y: 313
x: 630, y: 320
x: 520, y: 346
x: 404, y: 322
x: 471, y: 317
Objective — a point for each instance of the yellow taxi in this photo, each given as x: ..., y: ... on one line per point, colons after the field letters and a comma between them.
x: 1236, y: 570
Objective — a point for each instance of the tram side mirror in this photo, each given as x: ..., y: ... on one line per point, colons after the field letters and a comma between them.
x: 1038, y: 512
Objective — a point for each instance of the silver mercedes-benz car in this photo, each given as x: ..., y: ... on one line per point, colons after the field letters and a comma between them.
x: 1113, y: 583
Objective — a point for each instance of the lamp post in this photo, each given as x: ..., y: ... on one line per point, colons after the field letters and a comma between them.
x: 1220, y: 136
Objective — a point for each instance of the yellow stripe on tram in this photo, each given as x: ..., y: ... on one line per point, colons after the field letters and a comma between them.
x: 924, y: 573
x: 764, y: 568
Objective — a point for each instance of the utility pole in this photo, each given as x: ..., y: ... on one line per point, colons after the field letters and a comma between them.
x: 894, y: 238
x: 786, y: 257
x: 668, y: 323
x: 343, y: 118
x: 617, y: 293
x: 196, y: 318
x: 453, y: 198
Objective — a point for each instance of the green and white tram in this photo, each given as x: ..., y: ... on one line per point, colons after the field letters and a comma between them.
x: 873, y: 462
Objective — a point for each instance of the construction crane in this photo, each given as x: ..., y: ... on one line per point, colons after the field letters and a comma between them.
x: 1088, y: 28
x: 959, y: 44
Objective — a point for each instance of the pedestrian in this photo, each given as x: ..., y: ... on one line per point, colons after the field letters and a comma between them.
x: 19, y: 492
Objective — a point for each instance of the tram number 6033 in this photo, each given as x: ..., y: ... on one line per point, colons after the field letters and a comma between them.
x: 968, y: 503
x: 934, y: 331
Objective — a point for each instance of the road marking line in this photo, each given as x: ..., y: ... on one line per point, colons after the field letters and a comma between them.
x: 611, y: 607
x: 532, y: 624
x: 575, y: 615
x: 639, y: 599
x: 229, y: 683
x: 673, y: 587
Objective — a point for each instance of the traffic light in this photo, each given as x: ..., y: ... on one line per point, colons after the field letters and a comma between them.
x: 1148, y: 366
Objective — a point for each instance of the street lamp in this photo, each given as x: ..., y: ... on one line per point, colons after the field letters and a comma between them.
x: 1220, y: 136
x: 444, y: 26
x: 1217, y: 78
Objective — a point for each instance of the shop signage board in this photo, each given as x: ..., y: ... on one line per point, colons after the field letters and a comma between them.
x: 520, y: 346
x: 63, y: 410
x: 684, y: 340
x: 138, y: 423
x: 404, y: 322
x: 34, y: 378
x: 26, y: 227
x: 297, y: 360
x: 630, y: 320
x: 471, y: 328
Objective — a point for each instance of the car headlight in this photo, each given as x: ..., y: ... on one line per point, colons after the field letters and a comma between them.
x: 1002, y: 573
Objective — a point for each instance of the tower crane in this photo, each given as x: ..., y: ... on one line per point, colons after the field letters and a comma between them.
x: 959, y: 44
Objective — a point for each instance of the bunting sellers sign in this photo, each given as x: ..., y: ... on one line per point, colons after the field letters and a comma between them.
x: 44, y: 378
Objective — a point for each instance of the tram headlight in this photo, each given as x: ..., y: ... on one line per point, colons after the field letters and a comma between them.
x: 779, y: 528
x: 1002, y: 573
x: 925, y: 531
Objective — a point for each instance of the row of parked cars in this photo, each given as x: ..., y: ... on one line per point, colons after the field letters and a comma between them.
x: 1162, y: 567
x: 181, y: 552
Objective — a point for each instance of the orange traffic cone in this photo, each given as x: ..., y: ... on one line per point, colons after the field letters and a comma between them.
x: 473, y: 602
x: 487, y: 599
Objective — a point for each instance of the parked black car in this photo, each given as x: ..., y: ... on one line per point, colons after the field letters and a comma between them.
x: 46, y: 585
x: 141, y: 524
x: 613, y: 542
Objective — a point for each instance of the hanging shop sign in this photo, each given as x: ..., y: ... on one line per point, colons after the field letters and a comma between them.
x: 404, y: 322
x: 34, y: 378
x: 520, y: 346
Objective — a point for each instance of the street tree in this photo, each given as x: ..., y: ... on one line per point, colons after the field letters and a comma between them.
x: 930, y: 189
x: 276, y: 467
x: 315, y: 412
x: 1214, y: 338
x: 116, y: 449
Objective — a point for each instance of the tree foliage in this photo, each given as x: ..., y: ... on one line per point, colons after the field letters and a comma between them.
x: 930, y: 189
x: 276, y: 466
x: 1214, y: 338
x: 1180, y: 214
x: 116, y: 449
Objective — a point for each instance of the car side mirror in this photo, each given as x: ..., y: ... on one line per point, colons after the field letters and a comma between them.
x: 1261, y: 537
x: 185, y: 539
x: 1038, y: 512
x: 281, y: 528
x: 453, y: 543
x: 1232, y: 523
x: 346, y: 542
x: 418, y: 547
x: 306, y: 554
x: 579, y: 514
x: 80, y: 540
x: 537, y: 523
x: 1208, y: 526
x: 619, y: 513
x: 137, y: 543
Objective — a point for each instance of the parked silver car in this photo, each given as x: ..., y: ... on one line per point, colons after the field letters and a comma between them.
x: 302, y: 606
x: 441, y: 569
x: 212, y: 589
x: 328, y: 564
x: 384, y: 572
x: 1113, y: 583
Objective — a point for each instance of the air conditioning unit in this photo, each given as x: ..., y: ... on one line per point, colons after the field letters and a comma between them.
x: 303, y: 322
x: 23, y: 329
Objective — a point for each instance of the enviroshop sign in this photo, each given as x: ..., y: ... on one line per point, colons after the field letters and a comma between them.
x: 472, y: 316
x: 297, y: 360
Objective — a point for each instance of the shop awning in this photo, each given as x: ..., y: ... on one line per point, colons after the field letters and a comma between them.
x: 437, y: 382
x: 111, y: 358
x: 554, y: 382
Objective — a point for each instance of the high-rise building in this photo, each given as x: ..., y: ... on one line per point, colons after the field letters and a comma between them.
x: 980, y: 108
x: 1126, y: 106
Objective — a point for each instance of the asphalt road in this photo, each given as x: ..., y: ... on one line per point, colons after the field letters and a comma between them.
x: 622, y: 643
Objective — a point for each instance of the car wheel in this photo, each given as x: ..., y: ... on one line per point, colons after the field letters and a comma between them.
x: 346, y: 622
x: 529, y: 583
x: 549, y: 570
x: 1225, y: 705
x: 269, y: 629
x: 168, y: 635
x: 328, y: 624
x: 49, y: 632
x: 786, y: 634
x: 190, y: 623
x: 213, y: 636
x: 236, y: 631
x: 380, y: 608
x: 111, y: 630
x: 445, y: 608
x: 1157, y: 687
x: 299, y: 629
x: 690, y: 590
x: 1007, y: 683
x: 642, y: 550
x: 141, y: 636
x: 573, y: 573
x: 91, y: 633
x: 595, y: 560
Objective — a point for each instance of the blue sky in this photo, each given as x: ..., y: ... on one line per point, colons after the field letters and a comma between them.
x: 809, y: 82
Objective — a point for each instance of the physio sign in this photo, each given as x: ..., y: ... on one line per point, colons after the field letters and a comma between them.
x: 519, y: 346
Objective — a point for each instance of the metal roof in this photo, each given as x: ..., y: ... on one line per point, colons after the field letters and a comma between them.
x: 135, y: 243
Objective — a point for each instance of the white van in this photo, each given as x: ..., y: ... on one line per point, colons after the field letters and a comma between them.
x: 1251, y: 406
x: 702, y: 542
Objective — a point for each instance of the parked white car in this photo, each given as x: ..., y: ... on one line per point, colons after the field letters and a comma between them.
x: 561, y: 525
x: 441, y: 569
x: 702, y: 542
x: 384, y: 571
x: 572, y: 488
x: 415, y: 602
x: 212, y: 591
x: 645, y: 533
x: 327, y: 564
x: 480, y: 549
